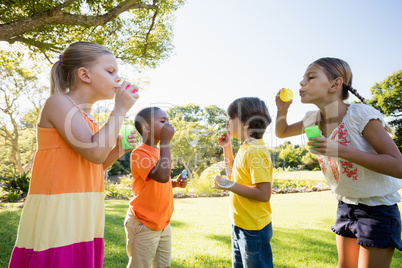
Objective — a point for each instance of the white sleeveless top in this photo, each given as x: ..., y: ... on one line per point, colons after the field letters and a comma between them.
x: 350, y: 182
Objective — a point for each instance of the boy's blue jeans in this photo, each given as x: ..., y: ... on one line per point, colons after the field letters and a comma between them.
x: 252, y: 249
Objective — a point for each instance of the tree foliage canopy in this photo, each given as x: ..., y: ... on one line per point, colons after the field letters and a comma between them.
x: 137, y: 32
x: 387, y: 97
x: 194, y: 145
x: 17, y: 122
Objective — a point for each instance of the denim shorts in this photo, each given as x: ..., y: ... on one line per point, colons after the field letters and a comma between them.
x: 252, y: 249
x: 373, y: 226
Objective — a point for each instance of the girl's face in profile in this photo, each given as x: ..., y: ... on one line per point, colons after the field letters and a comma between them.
x: 314, y: 86
x: 104, y: 76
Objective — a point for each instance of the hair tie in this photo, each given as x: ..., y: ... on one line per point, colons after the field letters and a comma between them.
x: 60, y: 56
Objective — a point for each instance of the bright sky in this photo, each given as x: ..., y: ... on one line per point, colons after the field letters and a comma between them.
x: 228, y: 49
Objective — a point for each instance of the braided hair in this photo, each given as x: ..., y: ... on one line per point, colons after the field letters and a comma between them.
x: 348, y: 88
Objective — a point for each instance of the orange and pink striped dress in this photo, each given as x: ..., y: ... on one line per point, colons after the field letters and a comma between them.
x: 62, y: 222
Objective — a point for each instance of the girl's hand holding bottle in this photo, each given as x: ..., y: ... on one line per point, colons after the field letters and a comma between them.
x: 132, y: 140
x: 324, y: 146
x: 125, y: 97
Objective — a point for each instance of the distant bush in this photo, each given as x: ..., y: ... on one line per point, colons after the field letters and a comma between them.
x: 199, y: 186
x: 13, y: 196
x: 16, y: 186
x: 119, y: 190
x: 297, y: 185
x: 117, y: 169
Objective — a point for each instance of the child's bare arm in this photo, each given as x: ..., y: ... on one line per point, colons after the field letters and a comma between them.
x: 282, y: 128
x: 118, y: 151
x: 259, y: 191
x: 61, y: 114
x: 224, y: 141
x: 179, y: 182
x: 162, y: 169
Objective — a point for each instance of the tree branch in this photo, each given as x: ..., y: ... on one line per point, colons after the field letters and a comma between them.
x: 149, y: 32
x: 33, y: 42
x: 55, y: 15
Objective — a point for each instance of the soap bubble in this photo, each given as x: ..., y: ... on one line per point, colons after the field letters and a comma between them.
x: 219, y: 169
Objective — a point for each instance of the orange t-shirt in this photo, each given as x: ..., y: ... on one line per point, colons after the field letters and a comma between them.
x: 153, y: 201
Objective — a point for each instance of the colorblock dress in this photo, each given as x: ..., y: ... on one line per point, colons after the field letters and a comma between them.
x: 62, y: 222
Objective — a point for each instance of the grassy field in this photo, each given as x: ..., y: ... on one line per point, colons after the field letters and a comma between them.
x: 300, y: 175
x: 201, y: 232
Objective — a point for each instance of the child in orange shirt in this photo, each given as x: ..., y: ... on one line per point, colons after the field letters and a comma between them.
x: 147, y: 223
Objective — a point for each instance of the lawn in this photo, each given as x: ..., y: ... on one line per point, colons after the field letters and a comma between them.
x: 201, y: 232
x: 299, y: 175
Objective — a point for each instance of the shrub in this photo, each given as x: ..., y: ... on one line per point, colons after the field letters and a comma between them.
x: 126, y: 180
x: 13, y: 195
x: 118, y: 191
x: 117, y: 169
x: 310, y: 161
x: 17, y: 186
x: 297, y: 185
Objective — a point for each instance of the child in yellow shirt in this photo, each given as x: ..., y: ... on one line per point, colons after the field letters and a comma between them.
x: 252, y: 174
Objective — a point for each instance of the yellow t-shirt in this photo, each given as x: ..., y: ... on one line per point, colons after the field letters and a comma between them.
x: 252, y: 165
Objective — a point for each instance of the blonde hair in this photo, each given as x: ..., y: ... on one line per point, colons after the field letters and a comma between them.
x: 334, y: 68
x: 63, y: 75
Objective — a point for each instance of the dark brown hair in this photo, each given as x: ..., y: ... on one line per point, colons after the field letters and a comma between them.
x: 252, y: 112
x: 334, y: 68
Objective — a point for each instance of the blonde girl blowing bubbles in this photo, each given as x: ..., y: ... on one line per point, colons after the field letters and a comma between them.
x: 360, y: 161
x: 62, y: 221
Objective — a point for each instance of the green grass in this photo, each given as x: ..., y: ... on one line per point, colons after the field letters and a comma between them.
x: 299, y: 175
x: 202, y: 230
x: 9, y: 217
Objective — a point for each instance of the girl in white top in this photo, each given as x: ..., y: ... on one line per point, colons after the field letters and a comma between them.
x: 360, y: 161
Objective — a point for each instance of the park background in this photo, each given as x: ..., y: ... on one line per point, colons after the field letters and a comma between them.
x: 215, y: 52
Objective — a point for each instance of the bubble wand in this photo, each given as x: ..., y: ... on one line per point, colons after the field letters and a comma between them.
x: 286, y: 95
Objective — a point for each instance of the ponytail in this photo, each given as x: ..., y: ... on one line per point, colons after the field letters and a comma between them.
x: 57, y: 83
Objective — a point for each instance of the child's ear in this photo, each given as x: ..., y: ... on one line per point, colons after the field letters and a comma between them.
x: 145, y: 128
x: 83, y: 75
x: 336, y: 84
x: 247, y: 129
